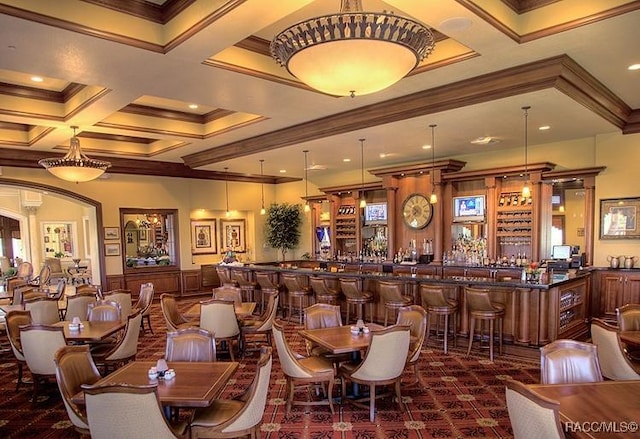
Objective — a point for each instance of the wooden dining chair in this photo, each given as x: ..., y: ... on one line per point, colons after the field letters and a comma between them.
x: 190, y: 344
x: 123, y: 297
x: 229, y: 293
x: 75, y: 367
x: 145, y: 300
x: 111, y: 356
x: 128, y: 412
x: 219, y: 317
x: 382, y: 365
x: 15, y: 320
x: 628, y: 317
x: 566, y: 361
x: 303, y: 371
x: 256, y: 330
x: 415, y: 317
x: 532, y: 416
x: 172, y: 316
x: 243, y: 415
x: 39, y: 345
x: 323, y: 315
x: 104, y: 311
x: 44, y: 311
x: 78, y: 306
x: 614, y: 364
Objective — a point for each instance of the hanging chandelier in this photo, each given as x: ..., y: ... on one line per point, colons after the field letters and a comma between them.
x: 353, y: 52
x: 75, y: 166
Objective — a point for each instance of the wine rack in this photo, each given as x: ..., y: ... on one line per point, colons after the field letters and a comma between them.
x: 514, y: 224
x: 571, y: 308
x: 346, y: 223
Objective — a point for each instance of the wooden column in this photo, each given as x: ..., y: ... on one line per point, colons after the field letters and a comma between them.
x: 589, y: 217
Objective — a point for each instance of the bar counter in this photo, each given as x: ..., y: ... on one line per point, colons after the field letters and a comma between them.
x: 536, y: 313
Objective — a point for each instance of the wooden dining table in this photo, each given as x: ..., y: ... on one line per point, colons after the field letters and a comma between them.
x: 603, y: 410
x: 90, y: 332
x: 242, y: 309
x: 339, y: 339
x: 195, y: 384
x: 630, y: 337
x: 8, y: 308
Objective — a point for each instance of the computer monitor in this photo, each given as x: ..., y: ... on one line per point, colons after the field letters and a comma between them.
x: 561, y: 252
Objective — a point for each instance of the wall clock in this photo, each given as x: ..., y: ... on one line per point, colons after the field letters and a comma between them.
x: 417, y: 211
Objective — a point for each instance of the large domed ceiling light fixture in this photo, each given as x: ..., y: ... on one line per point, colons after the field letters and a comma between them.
x: 353, y: 52
x: 75, y: 166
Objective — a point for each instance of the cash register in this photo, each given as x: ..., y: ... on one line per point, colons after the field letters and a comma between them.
x: 560, y: 258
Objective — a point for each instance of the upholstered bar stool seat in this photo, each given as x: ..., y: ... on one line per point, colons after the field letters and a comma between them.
x: 392, y: 298
x: 296, y: 291
x: 437, y: 304
x: 323, y: 294
x: 482, y: 308
x: 357, y: 298
x: 267, y: 287
x: 247, y: 286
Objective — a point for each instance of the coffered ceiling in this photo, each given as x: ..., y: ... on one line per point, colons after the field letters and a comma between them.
x: 188, y: 88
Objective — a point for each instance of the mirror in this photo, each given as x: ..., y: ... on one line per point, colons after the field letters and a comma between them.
x: 149, y: 238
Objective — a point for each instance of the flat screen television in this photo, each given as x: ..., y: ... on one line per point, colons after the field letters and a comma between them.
x: 375, y: 214
x: 470, y: 209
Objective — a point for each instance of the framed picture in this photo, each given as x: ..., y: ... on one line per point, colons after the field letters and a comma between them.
x: 232, y: 235
x: 111, y: 233
x: 619, y: 218
x: 59, y: 238
x: 203, y: 236
x: 112, y: 249
x: 142, y: 234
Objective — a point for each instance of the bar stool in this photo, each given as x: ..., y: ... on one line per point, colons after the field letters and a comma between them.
x: 437, y: 304
x: 356, y: 297
x: 482, y: 308
x: 392, y: 297
x: 295, y: 290
x: 247, y: 286
x: 224, y: 276
x: 323, y: 294
x: 267, y: 287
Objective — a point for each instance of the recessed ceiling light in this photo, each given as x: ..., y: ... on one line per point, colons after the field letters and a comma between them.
x: 382, y: 155
x: 544, y: 127
x: 634, y: 67
x: 193, y: 106
x: 426, y: 146
x: 346, y: 160
x: 37, y: 78
x: 283, y: 171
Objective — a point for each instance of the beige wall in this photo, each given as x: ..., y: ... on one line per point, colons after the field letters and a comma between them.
x: 206, y: 199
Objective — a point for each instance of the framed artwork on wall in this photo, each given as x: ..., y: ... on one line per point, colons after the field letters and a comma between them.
x: 203, y: 236
x: 233, y: 235
x: 619, y: 218
x: 111, y: 233
x: 112, y: 249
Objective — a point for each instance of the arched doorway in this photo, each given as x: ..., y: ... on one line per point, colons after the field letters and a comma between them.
x: 37, y: 205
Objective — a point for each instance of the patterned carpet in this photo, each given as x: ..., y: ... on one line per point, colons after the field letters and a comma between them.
x: 464, y: 397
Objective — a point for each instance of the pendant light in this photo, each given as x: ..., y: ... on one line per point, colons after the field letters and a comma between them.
x: 75, y: 166
x: 262, y: 210
x: 363, y: 201
x: 526, y: 190
x: 307, y: 208
x: 433, y: 199
x: 226, y: 191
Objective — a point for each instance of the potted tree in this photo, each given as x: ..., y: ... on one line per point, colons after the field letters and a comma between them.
x: 282, y: 228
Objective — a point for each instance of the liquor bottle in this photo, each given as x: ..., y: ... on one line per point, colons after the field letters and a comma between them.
x: 501, y: 201
x: 514, y: 200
